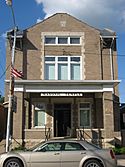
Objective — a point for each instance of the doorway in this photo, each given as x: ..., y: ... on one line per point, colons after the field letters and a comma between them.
x: 62, y: 119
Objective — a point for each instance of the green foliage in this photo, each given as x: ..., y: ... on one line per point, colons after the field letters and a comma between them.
x: 119, y: 150
x: 122, y: 150
x: 19, y: 148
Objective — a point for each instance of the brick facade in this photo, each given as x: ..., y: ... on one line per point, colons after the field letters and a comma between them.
x: 98, y: 84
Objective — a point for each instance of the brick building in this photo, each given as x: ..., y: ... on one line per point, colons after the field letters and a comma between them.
x: 70, y: 81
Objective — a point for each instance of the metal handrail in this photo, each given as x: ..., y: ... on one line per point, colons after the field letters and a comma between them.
x: 47, y: 133
x: 81, y: 134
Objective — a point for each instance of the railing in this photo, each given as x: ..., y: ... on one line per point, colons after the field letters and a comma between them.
x: 80, y: 133
x: 96, y: 137
x: 47, y: 133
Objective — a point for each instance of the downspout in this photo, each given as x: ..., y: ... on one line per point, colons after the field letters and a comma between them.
x: 111, y: 59
x: 111, y: 62
x: 101, y: 48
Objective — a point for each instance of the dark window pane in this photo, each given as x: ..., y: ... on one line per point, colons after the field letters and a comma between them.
x: 76, y: 59
x: 84, y: 105
x: 74, y: 40
x: 50, y: 40
x: 62, y: 40
x: 62, y: 58
x: 49, y: 58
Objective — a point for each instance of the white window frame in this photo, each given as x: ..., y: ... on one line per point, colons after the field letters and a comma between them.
x: 56, y: 40
x: 69, y: 62
x: 38, y: 108
x: 87, y: 108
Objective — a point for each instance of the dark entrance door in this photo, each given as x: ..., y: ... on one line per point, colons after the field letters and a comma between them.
x: 62, y: 119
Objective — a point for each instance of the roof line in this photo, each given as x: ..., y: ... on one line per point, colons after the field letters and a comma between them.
x: 65, y: 14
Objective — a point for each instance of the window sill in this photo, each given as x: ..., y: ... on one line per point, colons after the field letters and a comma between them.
x: 62, y: 44
x: 89, y: 129
x: 34, y: 129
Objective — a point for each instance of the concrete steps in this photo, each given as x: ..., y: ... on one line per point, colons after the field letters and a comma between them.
x: 2, y: 146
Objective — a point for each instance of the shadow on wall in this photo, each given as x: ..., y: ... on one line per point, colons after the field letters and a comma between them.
x: 115, y: 142
x: 99, y: 140
x: 97, y: 137
x: 3, y: 118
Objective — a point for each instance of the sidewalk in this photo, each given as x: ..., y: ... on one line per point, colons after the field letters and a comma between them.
x: 121, y: 160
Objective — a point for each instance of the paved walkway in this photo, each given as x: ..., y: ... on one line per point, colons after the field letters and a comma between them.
x: 121, y: 160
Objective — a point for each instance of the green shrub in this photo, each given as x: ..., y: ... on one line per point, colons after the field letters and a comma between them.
x: 116, y: 150
x: 19, y: 148
x: 122, y: 150
x: 119, y: 150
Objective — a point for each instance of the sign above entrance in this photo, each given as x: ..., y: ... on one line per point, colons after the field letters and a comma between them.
x: 61, y: 94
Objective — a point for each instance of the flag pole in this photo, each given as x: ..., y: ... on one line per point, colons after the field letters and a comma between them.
x: 11, y: 86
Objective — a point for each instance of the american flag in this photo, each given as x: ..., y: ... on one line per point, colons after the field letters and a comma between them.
x: 16, y: 73
x: 9, y: 2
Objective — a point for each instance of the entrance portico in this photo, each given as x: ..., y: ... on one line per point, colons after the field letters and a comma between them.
x: 64, y: 107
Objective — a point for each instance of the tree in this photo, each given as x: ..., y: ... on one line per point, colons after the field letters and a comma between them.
x: 1, y: 99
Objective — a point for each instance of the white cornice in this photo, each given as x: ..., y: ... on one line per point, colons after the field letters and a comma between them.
x: 64, y: 86
x: 107, y: 82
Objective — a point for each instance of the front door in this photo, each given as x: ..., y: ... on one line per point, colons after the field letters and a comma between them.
x: 62, y: 119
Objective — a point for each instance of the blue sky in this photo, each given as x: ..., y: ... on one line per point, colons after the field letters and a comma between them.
x: 100, y: 14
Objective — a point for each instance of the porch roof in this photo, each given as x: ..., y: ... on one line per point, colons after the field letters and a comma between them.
x: 64, y: 86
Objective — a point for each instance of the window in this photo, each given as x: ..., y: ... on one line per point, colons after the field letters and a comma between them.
x: 39, y: 116
x: 73, y: 147
x: 75, y: 68
x: 50, y: 147
x: 63, y: 68
x: 85, y: 115
x: 50, y: 40
x: 60, y: 40
x: 50, y: 71
x: 74, y: 40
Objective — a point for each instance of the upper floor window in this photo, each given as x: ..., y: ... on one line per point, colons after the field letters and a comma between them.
x: 74, y: 40
x: 63, y: 68
x: 50, y: 40
x: 60, y: 40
